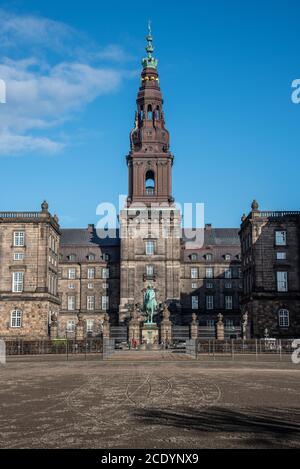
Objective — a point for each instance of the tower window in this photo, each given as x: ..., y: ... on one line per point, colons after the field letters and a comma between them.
x: 149, y: 248
x: 157, y: 113
x: 149, y: 270
x: 149, y: 112
x: 149, y: 183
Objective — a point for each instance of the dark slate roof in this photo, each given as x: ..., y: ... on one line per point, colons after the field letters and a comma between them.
x: 88, y: 238
x: 218, y: 237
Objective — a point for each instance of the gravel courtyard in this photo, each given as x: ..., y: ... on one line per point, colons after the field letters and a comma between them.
x: 151, y: 404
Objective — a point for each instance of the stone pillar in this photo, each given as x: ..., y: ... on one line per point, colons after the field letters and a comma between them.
x: 79, y: 333
x: 166, y: 327
x: 220, y: 328
x: 106, y: 327
x: 53, y: 327
x: 194, y: 327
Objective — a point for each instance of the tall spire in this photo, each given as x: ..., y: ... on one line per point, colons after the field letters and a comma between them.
x: 149, y: 61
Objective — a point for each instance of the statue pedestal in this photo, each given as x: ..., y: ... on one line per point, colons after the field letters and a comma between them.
x: 150, y: 334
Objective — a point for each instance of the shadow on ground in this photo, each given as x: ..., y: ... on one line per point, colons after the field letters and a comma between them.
x: 265, y: 427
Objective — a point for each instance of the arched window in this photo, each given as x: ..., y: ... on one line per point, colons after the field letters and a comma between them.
x: 141, y: 113
x: 16, y: 318
x: 149, y: 112
x: 284, y: 318
x: 149, y: 182
x: 157, y: 113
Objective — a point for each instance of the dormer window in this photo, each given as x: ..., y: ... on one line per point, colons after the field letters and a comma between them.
x: 91, y: 257
x: 72, y: 257
x: 106, y: 257
x: 208, y: 257
x: 227, y: 257
x: 194, y: 257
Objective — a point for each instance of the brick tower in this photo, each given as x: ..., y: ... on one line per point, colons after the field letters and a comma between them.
x: 150, y: 223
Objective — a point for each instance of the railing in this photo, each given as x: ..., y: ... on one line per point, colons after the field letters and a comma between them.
x: 250, y: 349
x: 65, y: 348
x: 276, y: 214
x: 271, y: 214
x: 10, y: 215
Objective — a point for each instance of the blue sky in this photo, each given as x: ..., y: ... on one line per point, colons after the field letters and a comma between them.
x: 72, y: 74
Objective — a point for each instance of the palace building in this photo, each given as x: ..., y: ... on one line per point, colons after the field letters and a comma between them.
x: 50, y: 274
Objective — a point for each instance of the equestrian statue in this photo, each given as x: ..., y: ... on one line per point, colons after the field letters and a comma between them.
x: 150, y: 304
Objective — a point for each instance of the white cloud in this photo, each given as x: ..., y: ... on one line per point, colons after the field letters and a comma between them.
x: 13, y: 144
x: 43, y: 94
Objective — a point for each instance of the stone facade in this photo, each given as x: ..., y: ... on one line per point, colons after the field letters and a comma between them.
x: 271, y: 271
x: 29, y: 245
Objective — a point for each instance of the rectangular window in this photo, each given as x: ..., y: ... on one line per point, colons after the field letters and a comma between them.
x: 105, y: 272
x: 89, y: 325
x: 72, y: 274
x: 91, y: 272
x: 71, y: 286
x: 210, y: 323
x: 19, y: 238
x: 209, y: 302
x: 71, y: 303
x: 228, y: 302
x: 282, y: 283
x: 209, y: 272
x: 18, y: 256
x: 227, y: 273
x: 209, y: 285
x: 105, y: 303
x: 280, y: 238
x: 228, y: 285
x: 71, y: 325
x: 195, y: 302
x: 90, y: 302
x: 149, y: 248
x: 280, y: 256
x: 17, y: 282
x: 194, y: 272
x: 229, y: 323
x: 16, y: 318
x: 149, y: 270
x: 194, y: 285
x: 90, y: 286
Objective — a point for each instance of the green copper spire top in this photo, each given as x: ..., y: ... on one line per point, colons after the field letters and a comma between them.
x: 149, y: 61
